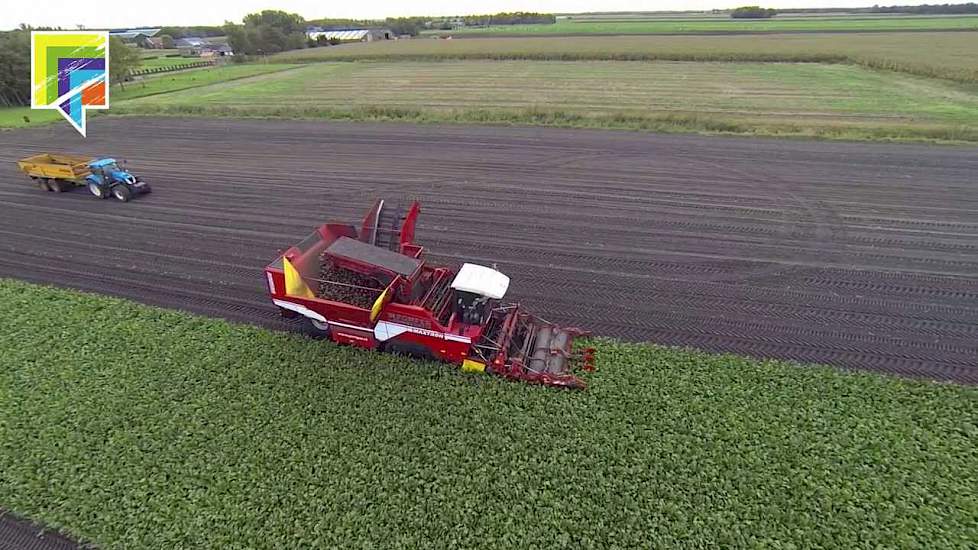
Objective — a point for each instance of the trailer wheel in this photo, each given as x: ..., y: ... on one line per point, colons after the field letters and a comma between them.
x: 42, y: 184
x: 56, y: 186
x: 122, y: 193
x: 97, y: 190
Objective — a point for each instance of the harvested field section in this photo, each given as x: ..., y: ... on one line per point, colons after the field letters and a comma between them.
x: 945, y: 54
x: 855, y: 255
x: 752, y: 93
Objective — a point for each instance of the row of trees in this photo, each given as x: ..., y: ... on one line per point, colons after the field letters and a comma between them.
x: 753, y: 12
x: 15, y: 65
x: 414, y: 25
x: 202, y: 31
x: 970, y: 7
x: 15, y: 68
x: 273, y: 31
x: 266, y: 32
x: 514, y: 18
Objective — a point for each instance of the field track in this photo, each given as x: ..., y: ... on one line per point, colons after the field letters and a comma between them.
x: 20, y: 534
x: 856, y: 255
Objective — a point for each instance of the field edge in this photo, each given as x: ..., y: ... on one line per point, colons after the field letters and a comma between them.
x: 666, y: 123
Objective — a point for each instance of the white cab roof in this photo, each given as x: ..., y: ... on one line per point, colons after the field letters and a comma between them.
x: 481, y: 280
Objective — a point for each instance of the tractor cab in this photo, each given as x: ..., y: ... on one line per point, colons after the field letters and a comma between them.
x: 106, y: 169
x: 477, y: 288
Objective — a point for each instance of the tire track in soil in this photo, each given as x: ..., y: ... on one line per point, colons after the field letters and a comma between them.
x: 855, y: 255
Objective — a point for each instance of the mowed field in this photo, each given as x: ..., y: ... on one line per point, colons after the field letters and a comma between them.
x: 856, y: 255
x: 769, y: 98
x: 729, y: 25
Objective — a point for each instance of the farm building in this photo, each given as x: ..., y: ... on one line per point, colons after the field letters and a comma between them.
x: 350, y: 35
x: 129, y: 35
x: 199, y: 47
x: 143, y: 38
x: 216, y: 50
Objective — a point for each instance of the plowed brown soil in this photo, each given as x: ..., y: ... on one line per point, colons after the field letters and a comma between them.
x: 856, y: 255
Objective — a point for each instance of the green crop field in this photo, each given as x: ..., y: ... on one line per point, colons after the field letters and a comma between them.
x: 158, y: 53
x: 166, y: 83
x: 167, y: 430
x: 765, y: 98
x: 938, y: 54
x: 694, y: 25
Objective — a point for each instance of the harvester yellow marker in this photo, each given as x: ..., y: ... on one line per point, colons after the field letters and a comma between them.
x: 294, y: 285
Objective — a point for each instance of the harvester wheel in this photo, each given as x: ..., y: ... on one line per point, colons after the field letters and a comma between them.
x: 316, y: 329
x: 97, y: 190
x: 416, y: 351
x: 122, y: 193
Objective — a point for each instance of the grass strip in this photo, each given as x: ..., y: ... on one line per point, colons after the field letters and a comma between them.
x: 138, y: 427
x: 663, y: 122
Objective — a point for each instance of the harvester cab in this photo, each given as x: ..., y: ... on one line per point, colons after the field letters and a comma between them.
x: 477, y: 290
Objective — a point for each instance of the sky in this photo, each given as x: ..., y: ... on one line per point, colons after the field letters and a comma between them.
x: 127, y: 13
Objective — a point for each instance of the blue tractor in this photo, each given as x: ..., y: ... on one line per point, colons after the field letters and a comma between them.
x: 108, y: 179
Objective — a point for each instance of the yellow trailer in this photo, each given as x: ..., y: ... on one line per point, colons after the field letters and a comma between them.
x: 103, y: 176
x: 56, y: 172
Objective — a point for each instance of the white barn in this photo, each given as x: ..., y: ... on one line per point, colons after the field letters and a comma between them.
x: 352, y: 35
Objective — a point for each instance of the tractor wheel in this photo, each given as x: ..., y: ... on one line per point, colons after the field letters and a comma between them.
x: 122, y: 193
x: 97, y: 190
x: 315, y: 328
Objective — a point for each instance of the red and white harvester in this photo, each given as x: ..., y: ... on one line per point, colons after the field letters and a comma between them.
x: 371, y: 287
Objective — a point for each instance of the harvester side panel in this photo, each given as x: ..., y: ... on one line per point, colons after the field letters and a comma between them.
x: 368, y: 228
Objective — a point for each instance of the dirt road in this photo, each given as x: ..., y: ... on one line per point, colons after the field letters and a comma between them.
x: 857, y: 255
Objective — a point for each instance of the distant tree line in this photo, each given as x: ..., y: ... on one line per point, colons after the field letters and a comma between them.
x: 266, y: 32
x: 948, y: 9
x: 414, y: 25
x: 514, y: 18
x: 200, y: 31
x: 15, y: 68
x: 752, y: 12
x: 397, y: 25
